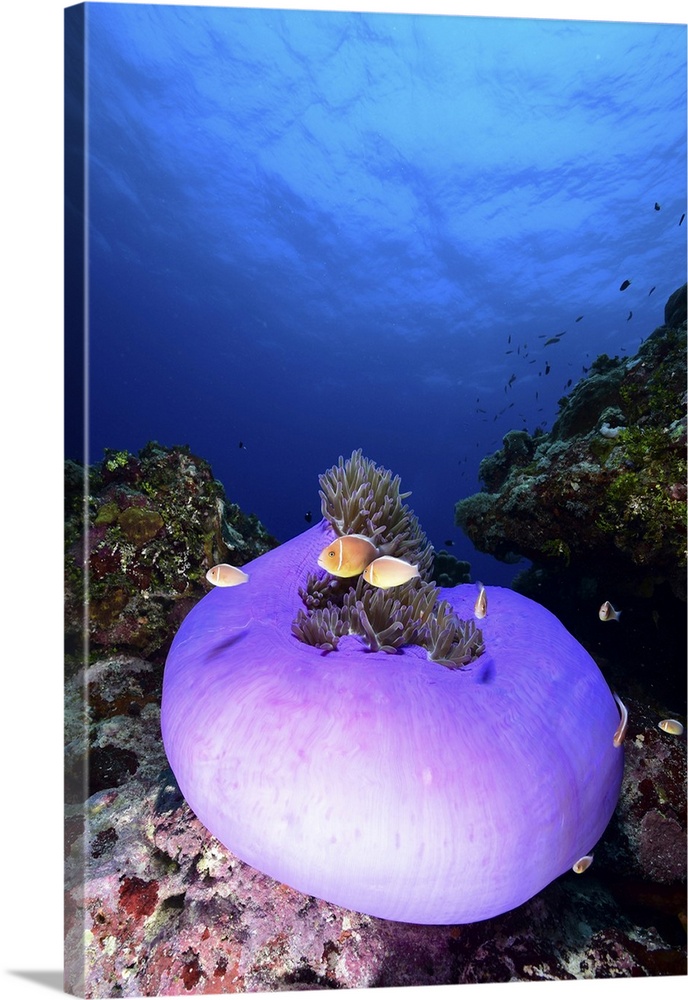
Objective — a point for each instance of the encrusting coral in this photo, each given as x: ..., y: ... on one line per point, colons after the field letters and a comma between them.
x: 140, y: 545
x: 359, y: 497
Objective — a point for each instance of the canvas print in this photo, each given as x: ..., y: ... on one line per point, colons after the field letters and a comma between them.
x: 375, y: 500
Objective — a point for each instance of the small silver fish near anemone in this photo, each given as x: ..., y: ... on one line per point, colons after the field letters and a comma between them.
x: 388, y: 571
x: 607, y: 613
x: 583, y: 864
x: 224, y: 575
x: 480, y: 606
x: 672, y: 726
x: 620, y: 734
x: 348, y: 555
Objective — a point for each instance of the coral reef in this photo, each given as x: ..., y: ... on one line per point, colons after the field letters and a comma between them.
x: 138, y: 544
x: 604, y: 493
x: 648, y: 834
x: 155, y: 905
x: 447, y: 570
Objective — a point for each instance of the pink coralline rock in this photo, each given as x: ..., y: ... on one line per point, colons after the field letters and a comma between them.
x: 156, y: 906
x: 651, y: 816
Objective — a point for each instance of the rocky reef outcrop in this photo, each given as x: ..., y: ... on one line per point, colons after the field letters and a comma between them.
x: 599, y: 507
x: 605, y: 491
x: 155, y: 905
x: 140, y: 533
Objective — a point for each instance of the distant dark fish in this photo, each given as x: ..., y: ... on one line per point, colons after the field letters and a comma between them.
x: 624, y: 285
x: 308, y: 516
x: 682, y: 218
x: 630, y: 316
x: 569, y: 382
x: 547, y: 369
x: 480, y: 410
x: 510, y: 351
x: 552, y: 340
x: 448, y: 541
x: 585, y: 369
x: 652, y: 290
x: 509, y: 340
x: 657, y: 206
x: 578, y: 319
x: 512, y: 380
x: 241, y: 444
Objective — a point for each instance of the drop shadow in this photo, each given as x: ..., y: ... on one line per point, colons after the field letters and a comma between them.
x: 51, y: 979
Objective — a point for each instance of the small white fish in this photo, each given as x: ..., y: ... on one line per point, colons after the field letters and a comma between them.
x: 672, y: 726
x: 480, y: 606
x: 608, y: 614
x: 620, y: 734
x: 224, y: 575
x: 583, y: 864
x: 388, y: 571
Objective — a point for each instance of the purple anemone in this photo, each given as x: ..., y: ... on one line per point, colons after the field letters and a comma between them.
x: 384, y: 782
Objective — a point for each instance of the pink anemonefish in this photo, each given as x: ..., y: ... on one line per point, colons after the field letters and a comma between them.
x: 388, y: 571
x: 224, y: 575
x: 348, y: 555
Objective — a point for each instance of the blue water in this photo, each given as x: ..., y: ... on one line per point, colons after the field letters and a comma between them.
x: 313, y: 232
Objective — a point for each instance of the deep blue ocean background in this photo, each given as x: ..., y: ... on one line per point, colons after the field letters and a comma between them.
x: 314, y: 232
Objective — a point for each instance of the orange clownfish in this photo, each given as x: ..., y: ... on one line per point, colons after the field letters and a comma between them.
x: 348, y: 555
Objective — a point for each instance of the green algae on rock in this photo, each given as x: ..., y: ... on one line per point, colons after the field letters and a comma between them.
x: 149, y: 528
x: 607, y: 486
